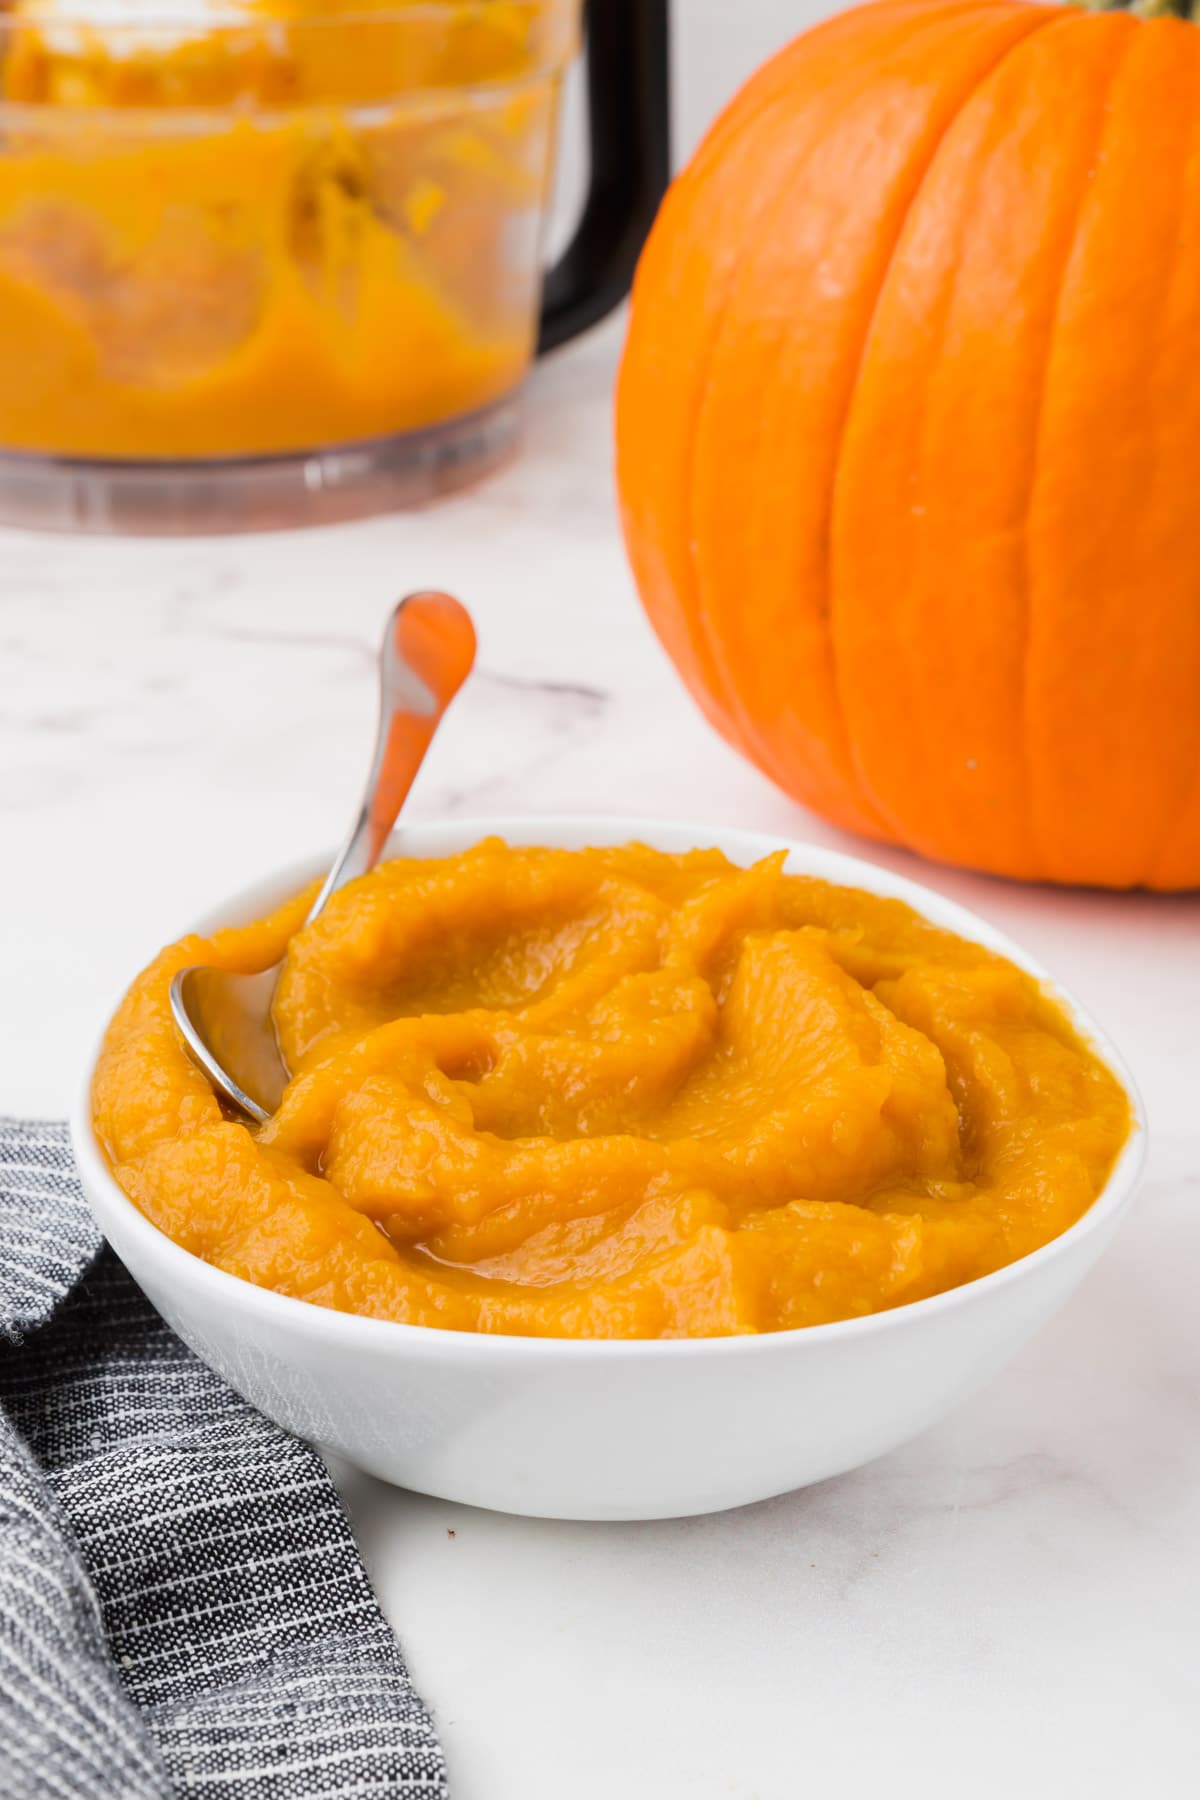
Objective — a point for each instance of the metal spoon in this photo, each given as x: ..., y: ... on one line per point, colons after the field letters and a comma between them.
x: 225, y: 1019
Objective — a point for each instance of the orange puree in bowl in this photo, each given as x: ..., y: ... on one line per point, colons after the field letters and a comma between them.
x: 616, y: 1093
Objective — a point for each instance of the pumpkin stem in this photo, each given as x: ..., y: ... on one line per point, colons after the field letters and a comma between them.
x: 1145, y: 9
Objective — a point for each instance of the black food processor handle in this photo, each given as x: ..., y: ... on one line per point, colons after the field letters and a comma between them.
x: 630, y: 153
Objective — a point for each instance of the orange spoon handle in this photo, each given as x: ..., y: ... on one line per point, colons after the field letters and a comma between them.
x: 428, y: 652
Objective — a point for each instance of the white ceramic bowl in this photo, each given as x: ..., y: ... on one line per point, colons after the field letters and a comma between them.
x: 621, y: 1430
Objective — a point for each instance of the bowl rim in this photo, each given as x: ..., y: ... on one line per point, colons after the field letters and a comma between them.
x: 180, y: 1266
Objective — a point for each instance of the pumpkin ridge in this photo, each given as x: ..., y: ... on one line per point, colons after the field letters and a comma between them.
x: 744, y: 726
x: 745, y: 732
x: 1023, y: 731
x: 736, y: 121
x: 1037, y: 26
x: 702, y: 634
x: 1180, y: 818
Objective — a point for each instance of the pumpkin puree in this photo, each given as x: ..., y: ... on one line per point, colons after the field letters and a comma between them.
x: 616, y: 1093
x: 224, y: 244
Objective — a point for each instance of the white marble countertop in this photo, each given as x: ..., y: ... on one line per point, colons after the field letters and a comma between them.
x: 1008, y: 1605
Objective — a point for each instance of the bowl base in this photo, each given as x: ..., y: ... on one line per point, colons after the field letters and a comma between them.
x: 255, y: 493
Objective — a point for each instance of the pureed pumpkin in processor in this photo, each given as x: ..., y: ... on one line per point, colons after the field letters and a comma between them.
x: 616, y: 1093
x: 267, y: 225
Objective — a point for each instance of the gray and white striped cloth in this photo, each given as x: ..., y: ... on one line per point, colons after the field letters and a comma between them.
x: 182, y: 1608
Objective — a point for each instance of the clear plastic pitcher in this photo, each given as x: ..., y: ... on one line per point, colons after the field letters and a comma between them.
x: 282, y: 262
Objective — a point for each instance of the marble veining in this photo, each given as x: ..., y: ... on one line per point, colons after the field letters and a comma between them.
x: 1007, y: 1605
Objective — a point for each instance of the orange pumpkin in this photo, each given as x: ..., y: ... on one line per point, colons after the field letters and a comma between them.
x: 908, y: 433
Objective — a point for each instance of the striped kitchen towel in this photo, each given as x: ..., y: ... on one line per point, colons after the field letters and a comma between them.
x: 182, y: 1608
